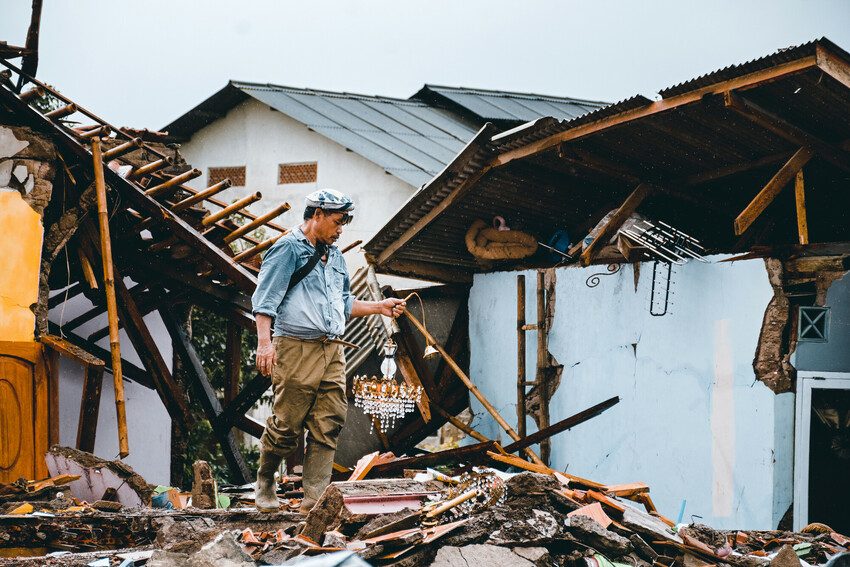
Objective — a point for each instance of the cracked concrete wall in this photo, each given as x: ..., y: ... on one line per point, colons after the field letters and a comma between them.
x: 693, y: 422
x: 26, y: 174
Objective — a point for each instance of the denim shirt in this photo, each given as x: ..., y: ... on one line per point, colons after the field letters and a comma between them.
x: 319, y: 305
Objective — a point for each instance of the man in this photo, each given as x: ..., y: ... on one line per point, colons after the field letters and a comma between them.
x: 303, y: 290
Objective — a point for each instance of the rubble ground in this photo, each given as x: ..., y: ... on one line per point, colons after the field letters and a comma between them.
x: 431, y: 519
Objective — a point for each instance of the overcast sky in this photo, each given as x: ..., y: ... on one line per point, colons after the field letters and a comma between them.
x: 144, y: 63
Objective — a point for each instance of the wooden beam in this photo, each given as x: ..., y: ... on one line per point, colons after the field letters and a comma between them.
x: 628, y: 207
x: 769, y: 192
x: 800, y: 200
x: 429, y: 272
x: 111, y: 306
x: 411, y: 378
x: 170, y: 393
x: 729, y: 170
x: 89, y: 407
x: 244, y: 400
x: 131, y: 371
x: 784, y: 129
x: 59, y: 298
x: 562, y: 425
x: 209, y: 401
x: 748, y: 81
x: 521, y: 377
x: 470, y: 385
x: 70, y: 350
x: 232, y: 360
x: 832, y: 65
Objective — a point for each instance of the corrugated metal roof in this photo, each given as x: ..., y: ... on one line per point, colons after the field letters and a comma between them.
x: 675, y: 144
x: 510, y: 106
x: 777, y: 58
x: 408, y: 138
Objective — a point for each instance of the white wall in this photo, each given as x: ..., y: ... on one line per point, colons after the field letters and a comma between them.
x: 692, y: 422
x: 148, y: 422
x: 260, y: 138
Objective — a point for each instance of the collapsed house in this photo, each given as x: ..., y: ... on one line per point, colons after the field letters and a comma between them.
x: 732, y: 372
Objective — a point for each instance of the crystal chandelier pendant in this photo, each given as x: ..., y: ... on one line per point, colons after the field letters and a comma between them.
x: 383, y: 398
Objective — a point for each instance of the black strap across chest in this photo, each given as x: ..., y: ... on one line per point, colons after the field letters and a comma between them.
x: 301, y: 273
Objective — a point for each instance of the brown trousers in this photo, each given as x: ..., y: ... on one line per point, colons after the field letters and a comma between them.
x: 308, y: 380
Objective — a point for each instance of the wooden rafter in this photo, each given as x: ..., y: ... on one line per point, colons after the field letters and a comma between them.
x: 147, y: 349
x: 833, y: 66
x: 800, y: 201
x: 769, y: 192
x: 785, y: 129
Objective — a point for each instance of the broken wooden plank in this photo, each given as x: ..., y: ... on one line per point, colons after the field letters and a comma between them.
x: 628, y: 207
x: 769, y: 192
x: 367, y: 462
x: 800, y: 201
x: 562, y: 425
x: 468, y: 454
x: 89, y: 407
x: 519, y: 463
x: 626, y: 490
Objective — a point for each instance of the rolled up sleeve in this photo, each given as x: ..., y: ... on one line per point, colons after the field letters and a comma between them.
x: 275, y: 272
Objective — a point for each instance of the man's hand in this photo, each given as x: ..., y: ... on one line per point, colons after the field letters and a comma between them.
x: 265, y: 358
x: 391, y: 307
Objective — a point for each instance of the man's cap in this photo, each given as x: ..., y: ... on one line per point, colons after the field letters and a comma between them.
x: 330, y: 200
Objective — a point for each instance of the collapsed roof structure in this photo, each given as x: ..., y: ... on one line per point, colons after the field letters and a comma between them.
x: 697, y: 157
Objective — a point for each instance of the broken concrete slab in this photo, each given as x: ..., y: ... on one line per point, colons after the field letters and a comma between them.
x: 478, y: 554
x: 538, y: 556
x: 590, y: 532
x: 648, y: 526
x: 97, y: 475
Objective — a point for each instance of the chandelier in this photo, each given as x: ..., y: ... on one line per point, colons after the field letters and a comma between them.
x: 383, y: 398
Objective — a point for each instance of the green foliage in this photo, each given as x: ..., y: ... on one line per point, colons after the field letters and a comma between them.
x: 209, y: 336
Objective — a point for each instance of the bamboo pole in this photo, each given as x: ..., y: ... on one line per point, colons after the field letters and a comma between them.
x: 122, y: 149
x: 153, y: 166
x: 172, y: 183
x: 201, y: 195
x: 251, y: 252
x: 256, y: 223
x: 231, y: 209
x: 472, y: 387
x: 111, y: 305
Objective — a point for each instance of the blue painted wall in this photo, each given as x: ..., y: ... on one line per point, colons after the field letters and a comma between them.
x: 693, y: 422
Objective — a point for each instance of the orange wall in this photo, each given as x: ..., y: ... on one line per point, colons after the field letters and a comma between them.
x: 20, y: 256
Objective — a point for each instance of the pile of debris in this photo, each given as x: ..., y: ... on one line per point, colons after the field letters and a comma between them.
x: 483, y: 514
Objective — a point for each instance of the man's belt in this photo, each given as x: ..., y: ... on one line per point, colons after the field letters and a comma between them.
x: 324, y: 339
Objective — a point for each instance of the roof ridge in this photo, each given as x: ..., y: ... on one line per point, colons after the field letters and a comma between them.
x: 323, y: 92
x: 516, y: 94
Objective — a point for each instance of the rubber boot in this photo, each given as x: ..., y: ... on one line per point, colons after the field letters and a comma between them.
x: 318, y: 466
x: 265, y: 492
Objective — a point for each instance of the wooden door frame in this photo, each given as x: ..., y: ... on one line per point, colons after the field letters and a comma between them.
x: 806, y: 382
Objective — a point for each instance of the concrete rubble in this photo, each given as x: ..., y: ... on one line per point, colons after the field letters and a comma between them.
x: 538, y: 519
